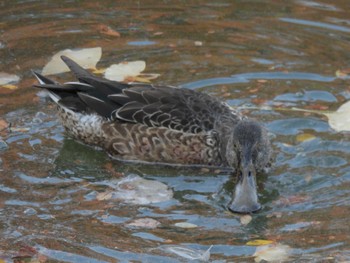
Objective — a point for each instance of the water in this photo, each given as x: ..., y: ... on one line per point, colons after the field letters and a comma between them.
x: 259, y: 55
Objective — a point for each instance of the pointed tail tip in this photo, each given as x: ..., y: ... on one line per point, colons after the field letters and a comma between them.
x: 75, y: 68
x: 42, y: 79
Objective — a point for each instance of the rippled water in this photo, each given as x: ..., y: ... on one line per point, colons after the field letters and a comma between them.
x: 266, y: 57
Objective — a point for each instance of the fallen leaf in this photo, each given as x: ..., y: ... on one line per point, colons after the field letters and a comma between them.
x: 272, y: 253
x: 291, y: 200
x: 185, y: 225
x: 99, y: 71
x: 6, y: 78
x: 259, y: 242
x: 123, y: 70
x: 19, y: 129
x: 136, y: 190
x: 86, y: 57
x: 145, y: 223
x: 149, y: 76
x: 340, y: 119
x: 9, y: 86
x: 275, y: 214
x: 246, y: 219
x: 191, y: 254
x: 305, y: 137
x: 3, y: 124
x: 317, y: 107
x: 138, y: 79
x: 342, y: 73
x: 205, y: 170
x: 104, y: 196
x: 107, y: 30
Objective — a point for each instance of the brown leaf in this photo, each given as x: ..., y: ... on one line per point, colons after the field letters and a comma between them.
x: 317, y: 107
x: 106, y: 30
x: 3, y: 124
x: 291, y: 200
x: 109, y: 167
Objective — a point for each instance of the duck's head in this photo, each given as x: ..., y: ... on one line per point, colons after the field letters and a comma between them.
x: 248, y: 151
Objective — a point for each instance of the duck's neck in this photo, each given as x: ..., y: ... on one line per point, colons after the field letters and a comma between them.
x: 224, y: 126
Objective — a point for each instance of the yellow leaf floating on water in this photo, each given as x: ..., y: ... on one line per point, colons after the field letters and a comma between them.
x: 85, y: 57
x: 259, y: 242
x: 124, y: 70
x: 141, y: 79
x: 305, y: 137
x: 99, y: 70
x: 9, y: 86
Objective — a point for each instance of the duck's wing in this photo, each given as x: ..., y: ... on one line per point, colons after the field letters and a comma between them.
x: 165, y: 106
x: 155, y: 106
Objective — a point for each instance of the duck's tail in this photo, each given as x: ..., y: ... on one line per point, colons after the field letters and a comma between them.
x: 45, y: 81
x: 88, y: 94
x: 80, y: 120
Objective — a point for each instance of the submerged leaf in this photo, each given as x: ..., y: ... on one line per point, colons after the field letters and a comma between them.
x: 6, y: 78
x: 124, y: 70
x: 104, y: 195
x: 185, y: 225
x: 145, y: 223
x: 246, y: 219
x: 305, y: 137
x: 86, y: 57
x: 188, y: 253
x: 136, y: 190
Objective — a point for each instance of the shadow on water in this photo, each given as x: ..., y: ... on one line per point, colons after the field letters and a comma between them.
x: 61, y: 201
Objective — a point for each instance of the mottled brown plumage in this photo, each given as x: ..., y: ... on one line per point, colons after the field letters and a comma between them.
x: 162, y: 124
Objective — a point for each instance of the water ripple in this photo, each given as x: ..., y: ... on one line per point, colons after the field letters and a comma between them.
x: 316, y: 24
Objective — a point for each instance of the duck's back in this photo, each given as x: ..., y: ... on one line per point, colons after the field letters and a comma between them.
x: 141, y: 122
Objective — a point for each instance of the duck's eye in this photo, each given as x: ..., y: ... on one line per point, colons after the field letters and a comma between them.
x: 210, y: 141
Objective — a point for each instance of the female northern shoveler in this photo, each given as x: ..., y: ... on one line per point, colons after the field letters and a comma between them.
x: 162, y: 124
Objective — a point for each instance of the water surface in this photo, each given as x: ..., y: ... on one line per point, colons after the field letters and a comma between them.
x: 260, y: 55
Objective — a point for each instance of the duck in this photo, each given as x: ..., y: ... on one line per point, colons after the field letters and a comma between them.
x: 162, y: 124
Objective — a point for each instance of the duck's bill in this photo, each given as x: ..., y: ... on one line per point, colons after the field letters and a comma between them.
x: 245, y: 198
